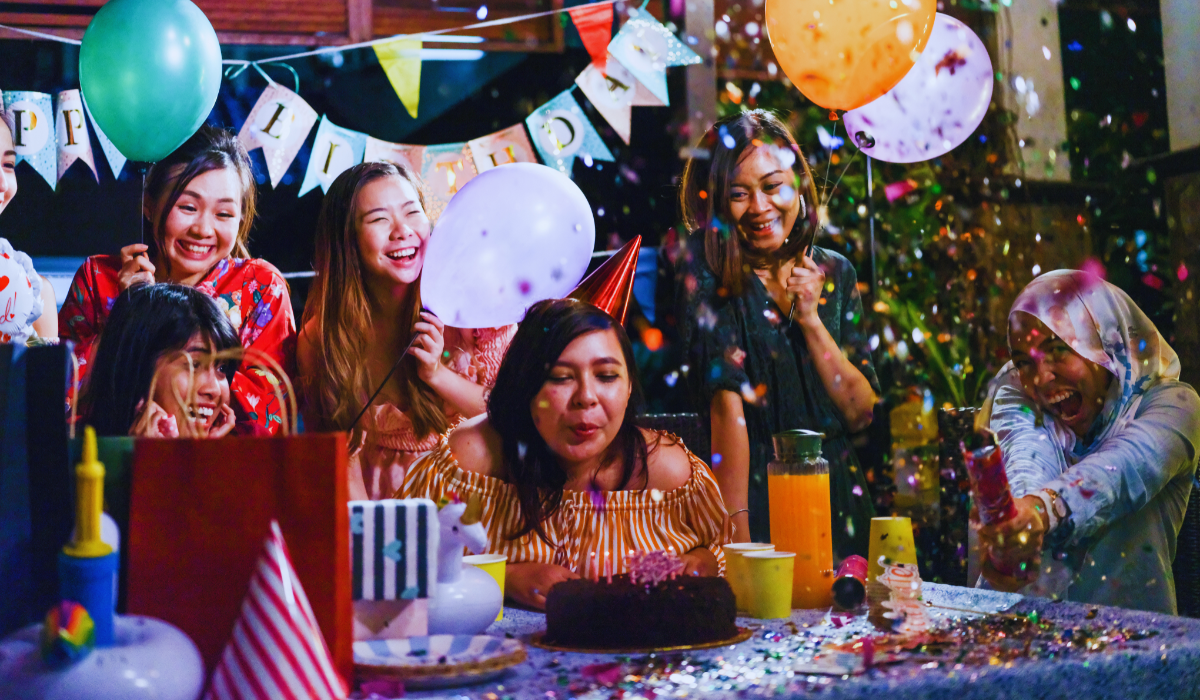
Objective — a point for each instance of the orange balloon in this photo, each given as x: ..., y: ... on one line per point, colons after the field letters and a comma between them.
x: 844, y: 53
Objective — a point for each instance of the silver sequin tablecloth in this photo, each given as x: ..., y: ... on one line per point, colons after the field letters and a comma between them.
x: 1164, y: 665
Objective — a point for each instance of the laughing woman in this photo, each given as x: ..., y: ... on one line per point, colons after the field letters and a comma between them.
x: 362, y: 310
x: 771, y: 323
x: 1100, y: 443
x: 200, y: 202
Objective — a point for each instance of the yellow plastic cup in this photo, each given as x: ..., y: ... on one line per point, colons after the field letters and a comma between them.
x: 737, y: 572
x: 770, y: 574
x: 493, y: 565
x: 891, y: 541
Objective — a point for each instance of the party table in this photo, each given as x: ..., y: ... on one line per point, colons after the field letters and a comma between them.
x: 1103, y: 653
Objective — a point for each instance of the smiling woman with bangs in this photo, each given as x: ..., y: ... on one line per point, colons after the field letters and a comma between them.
x: 1100, y: 443
x: 200, y: 202
x: 771, y: 322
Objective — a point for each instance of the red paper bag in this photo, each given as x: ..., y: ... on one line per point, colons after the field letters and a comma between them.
x: 199, y: 510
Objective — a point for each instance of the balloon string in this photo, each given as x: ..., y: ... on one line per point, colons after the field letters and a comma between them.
x: 385, y: 381
x: 833, y: 189
x: 871, y: 223
x: 828, y: 163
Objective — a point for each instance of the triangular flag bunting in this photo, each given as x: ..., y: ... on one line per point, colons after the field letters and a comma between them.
x: 647, y: 35
x: 380, y: 151
x: 401, y: 60
x: 277, y: 650
x: 334, y: 151
x: 279, y: 124
x: 510, y: 145
x: 562, y: 133
x: 116, y: 161
x: 594, y: 23
x: 445, y: 168
x: 611, y: 91
x: 33, y: 132
x: 642, y: 51
x: 70, y: 128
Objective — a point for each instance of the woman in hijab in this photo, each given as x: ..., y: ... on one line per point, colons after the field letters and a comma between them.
x: 1100, y: 441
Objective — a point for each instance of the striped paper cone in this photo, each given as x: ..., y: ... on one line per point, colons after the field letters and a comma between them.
x: 277, y: 650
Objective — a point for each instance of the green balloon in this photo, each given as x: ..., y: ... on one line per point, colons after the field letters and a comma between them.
x: 150, y: 72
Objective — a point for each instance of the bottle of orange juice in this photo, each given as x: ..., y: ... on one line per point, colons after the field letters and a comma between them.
x: 798, y: 492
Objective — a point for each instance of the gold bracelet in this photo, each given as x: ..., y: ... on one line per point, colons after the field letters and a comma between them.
x: 734, y: 513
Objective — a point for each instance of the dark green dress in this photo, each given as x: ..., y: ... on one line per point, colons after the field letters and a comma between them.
x: 744, y: 344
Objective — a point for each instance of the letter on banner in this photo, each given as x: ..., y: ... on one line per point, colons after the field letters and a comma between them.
x: 611, y: 91
x: 334, y: 151
x: 70, y: 128
x: 279, y: 124
x: 379, y: 151
x: 116, y: 161
x: 561, y: 133
x: 510, y: 145
x: 445, y: 168
x: 33, y: 132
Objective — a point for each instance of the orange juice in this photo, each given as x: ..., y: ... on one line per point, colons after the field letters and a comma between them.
x: 801, y: 523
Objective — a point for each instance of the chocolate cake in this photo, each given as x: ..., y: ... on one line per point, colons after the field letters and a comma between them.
x: 625, y: 615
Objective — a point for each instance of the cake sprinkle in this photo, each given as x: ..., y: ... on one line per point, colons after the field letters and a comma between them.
x: 652, y: 568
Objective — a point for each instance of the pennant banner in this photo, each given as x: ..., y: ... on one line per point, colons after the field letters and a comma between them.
x: 648, y: 35
x: 643, y: 52
x: 70, y: 129
x: 611, y: 91
x: 278, y: 124
x: 335, y: 150
x: 594, y: 23
x: 561, y: 133
x: 116, y: 161
x: 379, y: 151
x: 445, y: 169
x: 508, y: 146
x: 401, y: 60
x: 33, y: 132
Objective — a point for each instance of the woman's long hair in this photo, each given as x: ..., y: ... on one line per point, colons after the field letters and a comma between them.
x: 341, y: 306
x: 548, y: 328
x: 210, y: 148
x: 146, y: 323
x: 704, y: 195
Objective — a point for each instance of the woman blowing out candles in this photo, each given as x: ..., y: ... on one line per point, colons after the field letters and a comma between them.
x: 570, y: 484
x: 1100, y: 445
x: 363, y: 310
x: 771, y: 323
x: 200, y: 203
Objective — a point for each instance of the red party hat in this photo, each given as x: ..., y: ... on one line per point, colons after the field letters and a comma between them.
x: 277, y: 650
x: 611, y: 285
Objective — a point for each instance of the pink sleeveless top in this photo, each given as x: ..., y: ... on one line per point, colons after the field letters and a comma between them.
x: 390, y: 444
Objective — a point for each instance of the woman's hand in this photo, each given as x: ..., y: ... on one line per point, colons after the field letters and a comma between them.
x: 699, y: 562
x: 428, y: 346
x: 223, y: 423
x: 805, y: 282
x: 158, y: 423
x: 1012, y: 543
x: 529, y: 582
x: 136, y: 267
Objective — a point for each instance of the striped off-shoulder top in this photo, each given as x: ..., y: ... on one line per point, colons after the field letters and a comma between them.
x: 587, y: 526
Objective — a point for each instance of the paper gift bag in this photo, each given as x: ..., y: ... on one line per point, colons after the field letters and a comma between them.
x: 197, y: 514
x: 393, y: 566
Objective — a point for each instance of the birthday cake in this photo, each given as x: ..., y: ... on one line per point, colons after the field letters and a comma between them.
x: 624, y: 614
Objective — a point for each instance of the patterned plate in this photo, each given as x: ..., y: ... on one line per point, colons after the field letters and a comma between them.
x: 743, y: 634
x: 437, y: 661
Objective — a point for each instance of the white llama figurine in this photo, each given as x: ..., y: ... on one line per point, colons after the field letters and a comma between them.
x: 467, y: 599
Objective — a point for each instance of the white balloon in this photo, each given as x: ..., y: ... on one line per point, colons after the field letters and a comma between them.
x: 511, y: 237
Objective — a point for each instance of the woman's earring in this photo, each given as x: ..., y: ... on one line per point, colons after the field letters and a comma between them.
x: 803, y: 207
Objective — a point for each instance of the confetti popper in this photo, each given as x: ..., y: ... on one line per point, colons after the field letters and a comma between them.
x: 86, y: 565
x: 989, y: 484
x: 850, y: 583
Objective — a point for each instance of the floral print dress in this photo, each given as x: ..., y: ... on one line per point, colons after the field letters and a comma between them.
x: 251, y: 293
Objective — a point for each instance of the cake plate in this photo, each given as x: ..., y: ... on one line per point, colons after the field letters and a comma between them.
x: 538, y: 640
x: 437, y: 661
